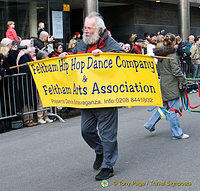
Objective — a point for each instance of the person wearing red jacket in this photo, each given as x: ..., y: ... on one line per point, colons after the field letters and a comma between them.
x: 137, y: 48
x: 11, y: 33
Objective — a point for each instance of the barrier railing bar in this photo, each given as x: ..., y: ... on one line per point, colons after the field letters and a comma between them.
x: 32, y: 93
x: 27, y: 91
x: 4, y: 97
x: 13, y: 80
x: 23, y: 94
x: 9, y: 103
x: 17, y: 87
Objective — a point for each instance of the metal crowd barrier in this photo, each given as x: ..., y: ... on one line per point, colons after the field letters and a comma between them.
x: 189, y: 69
x: 18, y: 92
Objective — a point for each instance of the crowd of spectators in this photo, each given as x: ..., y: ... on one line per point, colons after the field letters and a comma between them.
x: 188, y: 51
x: 15, y: 51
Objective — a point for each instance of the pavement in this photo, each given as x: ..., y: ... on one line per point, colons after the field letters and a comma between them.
x: 54, y: 157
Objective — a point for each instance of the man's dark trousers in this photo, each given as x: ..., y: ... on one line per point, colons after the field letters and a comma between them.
x: 106, y: 140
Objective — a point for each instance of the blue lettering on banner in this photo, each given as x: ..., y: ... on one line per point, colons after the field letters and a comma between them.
x: 64, y: 66
x: 99, y: 64
x: 91, y: 63
x: 137, y: 65
x: 133, y: 88
x: 56, y: 89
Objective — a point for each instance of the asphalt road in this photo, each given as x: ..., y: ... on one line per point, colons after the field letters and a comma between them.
x: 54, y: 157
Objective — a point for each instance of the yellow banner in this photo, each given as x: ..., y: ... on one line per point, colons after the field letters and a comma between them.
x: 107, y: 80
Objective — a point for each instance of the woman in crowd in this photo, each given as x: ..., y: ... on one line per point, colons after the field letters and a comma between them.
x: 171, y: 78
x: 11, y: 56
x: 57, y: 47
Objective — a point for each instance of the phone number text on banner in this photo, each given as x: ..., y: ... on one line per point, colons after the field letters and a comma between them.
x: 107, y: 80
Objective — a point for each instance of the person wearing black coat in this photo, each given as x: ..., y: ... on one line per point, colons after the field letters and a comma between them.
x: 184, y: 57
x: 27, y: 86
x: 9, y: 84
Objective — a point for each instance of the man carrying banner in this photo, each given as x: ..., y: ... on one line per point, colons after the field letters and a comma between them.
x: 96, y: 40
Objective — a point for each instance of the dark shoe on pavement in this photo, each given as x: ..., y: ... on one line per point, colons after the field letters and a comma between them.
x: 105, y: 174
x: 152, y: 130
x: 98, y: 162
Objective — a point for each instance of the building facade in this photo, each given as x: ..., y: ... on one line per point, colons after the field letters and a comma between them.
x: 122, y: 17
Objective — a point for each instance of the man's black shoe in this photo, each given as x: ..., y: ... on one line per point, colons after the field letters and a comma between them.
x: 98, y: 162
x: 104, y: 174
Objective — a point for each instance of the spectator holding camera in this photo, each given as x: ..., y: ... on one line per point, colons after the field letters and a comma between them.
x: 25, y: 44
x: 44, y: 42
x: 41, y: 41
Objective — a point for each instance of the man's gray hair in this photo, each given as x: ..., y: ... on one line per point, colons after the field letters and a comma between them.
x: 30, y: 49
x: 6, y: 42
x: 43, y: 34
x: 41, y: 54
x: 191, y: 36
x: 99, y: 20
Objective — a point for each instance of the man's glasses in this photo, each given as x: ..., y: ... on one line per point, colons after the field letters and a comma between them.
x: 88, y: 28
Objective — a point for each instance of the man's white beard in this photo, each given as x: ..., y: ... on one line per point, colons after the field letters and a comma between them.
x: 91, y: 39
